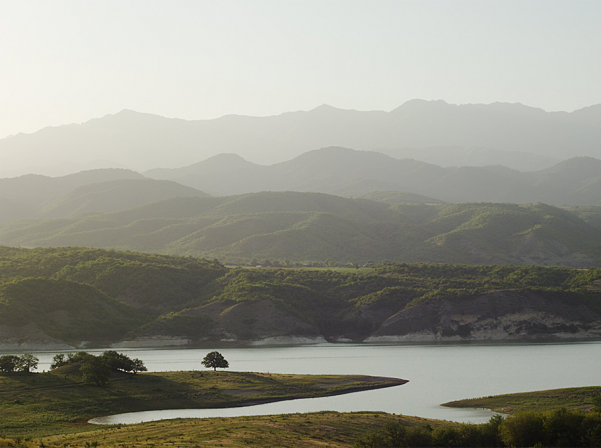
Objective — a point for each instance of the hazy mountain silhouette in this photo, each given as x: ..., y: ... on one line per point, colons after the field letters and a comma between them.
x: 86, y: 192
x: 144, y: 141
x: 115, y: 195
x: 33, y: 189
x: 351, y: 173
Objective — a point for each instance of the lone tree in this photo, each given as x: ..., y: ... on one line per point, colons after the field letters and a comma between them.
x: 214, y: 360
x: 28, y: 362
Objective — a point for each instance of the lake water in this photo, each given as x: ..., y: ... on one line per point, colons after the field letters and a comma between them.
x: 437, y: 373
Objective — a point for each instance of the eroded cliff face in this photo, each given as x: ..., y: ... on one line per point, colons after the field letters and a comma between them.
x: 256, y: 321
x: 247, y: 323
x: 497, y: 315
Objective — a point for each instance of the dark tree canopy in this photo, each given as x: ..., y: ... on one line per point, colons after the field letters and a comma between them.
x: 24, y: 363
x: 118, y: 362
x: 9, y: 363
x: 95, y: 371
x: 215, y: 360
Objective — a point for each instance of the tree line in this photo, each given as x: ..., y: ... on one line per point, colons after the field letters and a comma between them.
x: 559, y: 428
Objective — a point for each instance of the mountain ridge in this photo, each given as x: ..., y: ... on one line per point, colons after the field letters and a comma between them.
x: 70, y: 297
x: 170, y: 142
x: 349, y: 172
x: 318, y: 227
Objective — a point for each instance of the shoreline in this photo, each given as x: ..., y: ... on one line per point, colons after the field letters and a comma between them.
x: 380, y: 382
x: 54, y: 348
x: 40, y: 394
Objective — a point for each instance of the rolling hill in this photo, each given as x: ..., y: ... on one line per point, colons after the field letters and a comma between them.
x: 86, y: 192
x: 315, y: 226
x: 57, y: 298
x: 33, y: 189
x: 115, y: 195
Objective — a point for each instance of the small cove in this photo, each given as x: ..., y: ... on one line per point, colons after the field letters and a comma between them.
x: 437, y: 373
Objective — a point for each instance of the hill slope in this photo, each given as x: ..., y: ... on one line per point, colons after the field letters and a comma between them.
x: 314, y: 226
x: 85, y: 192
x: 115, y: 195
x: 135, y: 299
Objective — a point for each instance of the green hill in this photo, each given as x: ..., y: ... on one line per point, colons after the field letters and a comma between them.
x: 400, y: 197
x: 69, y: 295
x: 315, y: 226
x: 62, y: 310
x: 147, y: 281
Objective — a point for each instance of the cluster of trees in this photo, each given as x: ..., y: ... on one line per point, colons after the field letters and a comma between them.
x: 560, y: 428
x: 24, y: 363
x: 97, y: 370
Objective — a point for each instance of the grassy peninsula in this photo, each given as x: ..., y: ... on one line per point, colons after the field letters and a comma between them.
x: 34, y: 405
x: 538, y: 401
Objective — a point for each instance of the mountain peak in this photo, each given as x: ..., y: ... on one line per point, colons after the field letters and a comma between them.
x: 325, y: 108
x: 419, y: 105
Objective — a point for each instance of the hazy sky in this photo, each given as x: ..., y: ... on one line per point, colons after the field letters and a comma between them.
x: 66, y: 61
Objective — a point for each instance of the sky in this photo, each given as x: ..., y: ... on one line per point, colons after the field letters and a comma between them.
x: 68, y: 61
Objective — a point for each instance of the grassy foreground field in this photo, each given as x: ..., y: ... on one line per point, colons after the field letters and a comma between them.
x: 35, y: 405
x: 321, y: 429
x: 543, y: 400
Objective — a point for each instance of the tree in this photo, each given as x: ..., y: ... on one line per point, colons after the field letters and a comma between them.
x: 139, y: 366
x: 214, y: 360
x: 28, y: 362
x: 58, y: 360
x: 9, y: 363
x: 95, y: 371
x: 122, y: 363
x: 24, y: 363
x: 118, y: 362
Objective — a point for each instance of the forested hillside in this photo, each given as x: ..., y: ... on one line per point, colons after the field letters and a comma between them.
x: 312, y: 226
x: 62, y: 297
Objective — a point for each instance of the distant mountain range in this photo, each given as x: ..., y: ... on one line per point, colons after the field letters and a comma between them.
x: 339, y: 171
x: 514, y: 135
x: 351, y: 173
x: 315, y: 226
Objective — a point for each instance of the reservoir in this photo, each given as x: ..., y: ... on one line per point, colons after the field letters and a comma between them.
x: 437, y: 373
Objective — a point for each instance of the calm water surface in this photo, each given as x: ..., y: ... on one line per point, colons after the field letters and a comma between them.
x: 436, y: 374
